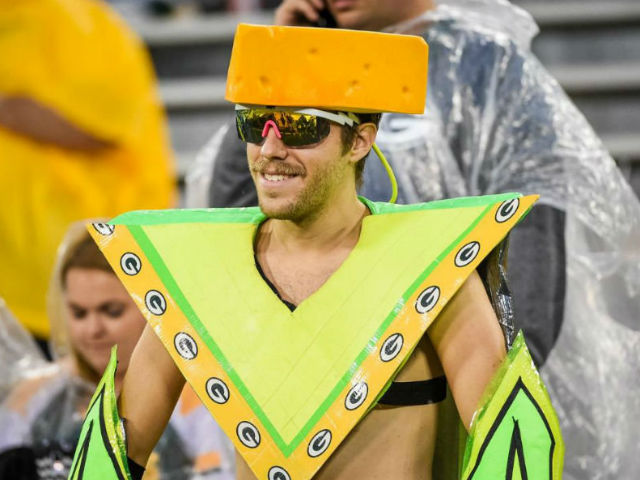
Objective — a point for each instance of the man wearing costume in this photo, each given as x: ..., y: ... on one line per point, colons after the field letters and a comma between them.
x: 496, y: 121
x: 322, y: 330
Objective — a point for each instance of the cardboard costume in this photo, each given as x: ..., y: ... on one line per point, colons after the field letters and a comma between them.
x: 287, y: 387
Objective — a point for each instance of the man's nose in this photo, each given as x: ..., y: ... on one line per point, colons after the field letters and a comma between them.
x: 273, y: 146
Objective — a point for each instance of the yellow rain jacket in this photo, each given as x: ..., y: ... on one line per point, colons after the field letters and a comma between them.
x: 79, y: 59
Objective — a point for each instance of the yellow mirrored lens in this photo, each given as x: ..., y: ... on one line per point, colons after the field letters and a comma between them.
x: 297, y: 129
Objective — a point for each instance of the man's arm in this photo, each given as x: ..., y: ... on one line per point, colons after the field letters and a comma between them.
x: 470, y: 345
x: 150, y: 391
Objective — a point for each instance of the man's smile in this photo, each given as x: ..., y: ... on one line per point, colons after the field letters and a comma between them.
x: 276, y: 174
x: 276, y: 179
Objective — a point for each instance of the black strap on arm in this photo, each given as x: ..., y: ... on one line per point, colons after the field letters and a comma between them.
x: 135, y: 470
x: 415, y: 393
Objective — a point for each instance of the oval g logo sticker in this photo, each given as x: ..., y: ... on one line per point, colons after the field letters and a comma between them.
x: 248, y: 435
x: 130, y: 264
x: 467, y: 254
x: 217, y: 390
x: 507, y: 209
x: 428, y: 299
x: 278, y: 473
x: 186, y: 346
x: 104, y: 228
x: 155, y: 302
x: 319, y: 443
x: 391, y: 347
x: 356, y: 396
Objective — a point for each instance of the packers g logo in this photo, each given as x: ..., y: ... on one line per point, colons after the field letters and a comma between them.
x: 155, y: 302
x: 130, y: 263
x: 427, y: 299
x: 217, y: 390
x: 278, y: 473
x: 391, y: 347
x: 104, y: 228
x: 248, y: 435
x: 319, y: 443
x: 467, y: 254
x: 186, y: 346
x: 356, y: 396
x: 507, y: 209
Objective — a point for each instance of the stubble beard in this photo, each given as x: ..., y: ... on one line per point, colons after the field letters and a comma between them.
x: 311, y: 200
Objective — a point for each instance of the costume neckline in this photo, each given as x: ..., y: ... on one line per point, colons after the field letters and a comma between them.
x: 289, y: 305
x: 326, y: 290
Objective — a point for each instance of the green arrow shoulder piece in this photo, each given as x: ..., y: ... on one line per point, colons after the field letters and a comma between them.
x: 515, y: 434
x: 101, y: 451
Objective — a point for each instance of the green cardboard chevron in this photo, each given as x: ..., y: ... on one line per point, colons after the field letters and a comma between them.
x: 185, y: 269
x: 101, y: 452
x: 515, y: 434
x: 283, y: 374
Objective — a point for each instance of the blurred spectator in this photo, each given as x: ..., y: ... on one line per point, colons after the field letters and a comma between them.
x: 169, y: 7
x: 82, y: 133
x: 496, y: 121
x: 41, y: 417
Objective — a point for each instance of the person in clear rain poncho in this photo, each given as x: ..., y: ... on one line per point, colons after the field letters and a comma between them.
x: 496, y: 121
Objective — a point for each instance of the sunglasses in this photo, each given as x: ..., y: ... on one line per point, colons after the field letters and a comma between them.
x: 295, y: 127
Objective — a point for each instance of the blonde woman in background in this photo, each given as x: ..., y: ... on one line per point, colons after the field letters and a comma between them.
x: 41, y: 417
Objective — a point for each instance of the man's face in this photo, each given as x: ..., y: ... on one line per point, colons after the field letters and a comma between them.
x: 374, y: 14
x: 297, y: 183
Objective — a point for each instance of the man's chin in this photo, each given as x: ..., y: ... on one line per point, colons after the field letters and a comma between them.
x: 276, y: 213
x: 278, y: 210
x: 351, y: 19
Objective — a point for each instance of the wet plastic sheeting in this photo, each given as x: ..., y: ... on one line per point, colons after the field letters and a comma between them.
x: 497, y: 121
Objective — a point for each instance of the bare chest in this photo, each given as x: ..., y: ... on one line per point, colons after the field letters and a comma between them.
x: 297, y: 280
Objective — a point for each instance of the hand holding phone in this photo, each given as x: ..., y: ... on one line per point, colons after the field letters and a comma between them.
x: 325, y: 19
x: 304, y: 13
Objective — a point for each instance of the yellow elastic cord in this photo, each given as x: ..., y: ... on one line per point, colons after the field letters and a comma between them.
x: 392, y: 177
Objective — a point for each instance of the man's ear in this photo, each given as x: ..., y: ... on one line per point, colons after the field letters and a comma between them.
x: 365, y: 136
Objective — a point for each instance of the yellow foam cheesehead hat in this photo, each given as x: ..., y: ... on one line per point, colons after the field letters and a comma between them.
x: 333, y: 69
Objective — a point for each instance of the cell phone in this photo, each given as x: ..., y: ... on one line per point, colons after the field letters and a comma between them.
x: 325, y: 19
